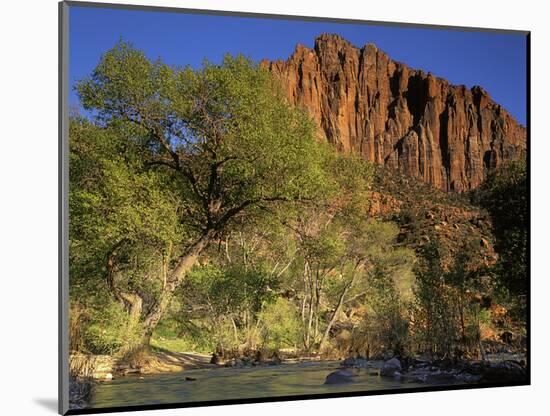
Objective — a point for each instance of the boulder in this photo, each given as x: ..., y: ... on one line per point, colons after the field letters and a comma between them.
x: 341, y: 376
x: 506, y: 372
x: 391, y: 368
x: 79, y: 392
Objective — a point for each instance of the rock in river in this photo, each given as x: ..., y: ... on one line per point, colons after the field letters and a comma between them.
x: 339, y: 377
x: 391, y: 368
x: 79, y: 392
x: 505, y: 372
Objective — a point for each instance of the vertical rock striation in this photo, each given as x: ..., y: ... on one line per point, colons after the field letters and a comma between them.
x: 406, y: 119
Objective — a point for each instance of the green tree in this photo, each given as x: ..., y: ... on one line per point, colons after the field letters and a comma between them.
x: 505, y: 195
x: 464, y: 279
x: 280, y: 324
x: 124, y: 224
x: 435, y: 323
x: 383, y: 288
x: 222, y: 138
x: 324, y: 235
x: 447, y: 315
x: 228, y: 300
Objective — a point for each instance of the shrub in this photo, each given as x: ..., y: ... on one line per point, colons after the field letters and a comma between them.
x: 280, y: 325
x: 107, y: 331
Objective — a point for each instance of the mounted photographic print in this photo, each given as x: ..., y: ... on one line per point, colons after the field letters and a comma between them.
x: 263, y: 208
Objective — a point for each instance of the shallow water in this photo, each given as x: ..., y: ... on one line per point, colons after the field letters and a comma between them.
x: 235, y: 383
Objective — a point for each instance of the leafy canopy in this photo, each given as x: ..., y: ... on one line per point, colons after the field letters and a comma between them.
x: 224, y: 132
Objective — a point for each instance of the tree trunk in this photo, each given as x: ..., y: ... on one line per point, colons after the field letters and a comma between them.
x: 309, y: 322
x: 317, y: 303
x: 339, y: 305
x: 235, y: 331
x: 152, y: 319
x: 310, y: 308
x: 333, y: 318
x: 133, y: 329
x: 304, y: 299
x: 185, y: 263
x: 132, y: 302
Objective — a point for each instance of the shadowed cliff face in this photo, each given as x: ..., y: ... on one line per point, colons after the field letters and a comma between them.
x: 406, y: 119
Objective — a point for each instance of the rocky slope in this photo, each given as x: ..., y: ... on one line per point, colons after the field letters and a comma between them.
x: 424, y: 212
x: 406, y: 119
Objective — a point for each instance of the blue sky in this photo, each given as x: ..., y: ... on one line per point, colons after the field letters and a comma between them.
x: 497, y: 62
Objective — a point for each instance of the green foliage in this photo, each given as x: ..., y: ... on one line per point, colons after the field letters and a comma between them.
x: 107, y: 329
x: 231, y: 290
x: 387, y: 318
x: 176, y: 333
x: 505, y: 195
x: 436, y: 326
x: 225, y: 129
x: 101, y: 327
x: 115, y: 202
x: 448, y: 318
x: 281, y: 327
x: 219, y: 307
x: 112, y: 198
x: 387, y: 289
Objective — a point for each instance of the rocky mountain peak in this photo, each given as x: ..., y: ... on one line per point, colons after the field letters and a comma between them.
x: 406, y: 119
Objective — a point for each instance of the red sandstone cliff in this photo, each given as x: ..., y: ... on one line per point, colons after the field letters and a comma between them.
x: 362, y: 101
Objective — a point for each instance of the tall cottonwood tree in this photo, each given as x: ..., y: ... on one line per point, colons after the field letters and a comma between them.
x: 124, y: 228
x: 223, y: 138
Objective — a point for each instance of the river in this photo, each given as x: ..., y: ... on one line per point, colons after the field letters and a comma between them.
x: 236, y: 383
